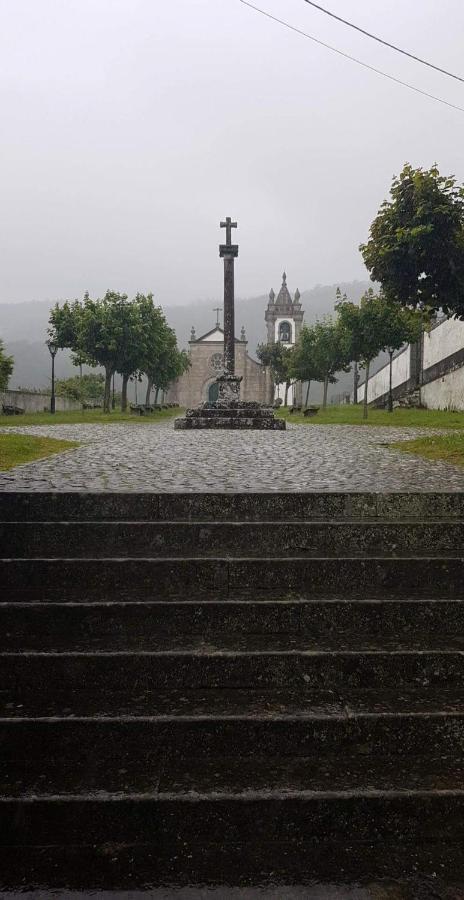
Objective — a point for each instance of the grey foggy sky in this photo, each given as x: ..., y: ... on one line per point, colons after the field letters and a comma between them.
x: 131, y: 127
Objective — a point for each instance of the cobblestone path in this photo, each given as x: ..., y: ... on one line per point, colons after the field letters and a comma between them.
x: 303, y: 458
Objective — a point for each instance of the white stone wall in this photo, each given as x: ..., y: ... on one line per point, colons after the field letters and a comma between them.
x: 442, y: 341
x: 32, y: 402
x: 446, y: 392
x: 379, y: 383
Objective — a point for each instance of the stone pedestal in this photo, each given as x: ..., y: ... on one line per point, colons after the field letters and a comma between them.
x: 231, y: 414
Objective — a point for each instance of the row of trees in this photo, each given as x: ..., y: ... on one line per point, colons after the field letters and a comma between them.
x: 354, y: 337
x: 415, y: 253
x: 130, y: 337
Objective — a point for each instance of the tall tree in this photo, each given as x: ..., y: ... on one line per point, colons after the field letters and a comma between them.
x: 279, y: 360
x: 303, y: 365
x: 416, y: 245
x: 6, y: 367
x: 329, y: 353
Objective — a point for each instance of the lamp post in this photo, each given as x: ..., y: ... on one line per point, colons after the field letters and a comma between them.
x: 53, y: 350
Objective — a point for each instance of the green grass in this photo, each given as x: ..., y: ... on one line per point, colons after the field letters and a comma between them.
x: 87, y: 417
x: 447, y: 447
x: 16, y: 449
x: 399, y: 418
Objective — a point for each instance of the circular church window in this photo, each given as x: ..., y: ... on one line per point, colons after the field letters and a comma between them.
x: 217, y: 362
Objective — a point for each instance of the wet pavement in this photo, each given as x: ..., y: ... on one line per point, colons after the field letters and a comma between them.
x: 304, y: 458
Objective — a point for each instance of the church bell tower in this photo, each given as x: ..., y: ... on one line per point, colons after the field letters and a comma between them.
x: 284, y: 320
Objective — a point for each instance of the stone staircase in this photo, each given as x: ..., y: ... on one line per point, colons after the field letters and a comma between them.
x: 230, y: 689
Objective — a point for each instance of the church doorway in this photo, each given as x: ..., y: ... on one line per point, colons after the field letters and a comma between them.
x: 213, y: 392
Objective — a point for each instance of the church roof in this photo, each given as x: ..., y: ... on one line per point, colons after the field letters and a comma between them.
x: 283, y: 297
x: 215, y: 335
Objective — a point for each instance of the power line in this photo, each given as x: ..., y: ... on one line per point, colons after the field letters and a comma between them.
x: 382, y: 41
x: 352, y: 58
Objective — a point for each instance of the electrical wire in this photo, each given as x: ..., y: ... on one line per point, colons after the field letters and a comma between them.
x: 352, y: 58
x: 374, y: 37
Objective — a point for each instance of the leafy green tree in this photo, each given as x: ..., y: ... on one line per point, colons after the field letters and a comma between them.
x: 416, y: 244
x: 85, y: 388
x: 6, y: 367
x: 376, y: 324
x: 279, y: 359
x: 303, y: 366
x: 401, y: 326
x: 329, y: 353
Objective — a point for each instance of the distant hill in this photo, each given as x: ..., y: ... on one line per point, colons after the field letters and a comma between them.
x: 23, y: 327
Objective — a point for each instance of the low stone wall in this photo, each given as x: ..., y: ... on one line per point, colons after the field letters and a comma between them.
x: 32, y: 402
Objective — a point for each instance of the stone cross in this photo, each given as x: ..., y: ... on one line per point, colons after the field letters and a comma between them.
x: 228, y: 225
x: 228, y: 252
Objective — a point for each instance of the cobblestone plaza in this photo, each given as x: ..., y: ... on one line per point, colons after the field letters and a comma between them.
x: 146, y: 457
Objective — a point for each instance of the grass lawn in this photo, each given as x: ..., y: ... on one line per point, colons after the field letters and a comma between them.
x: 400, y: 418
x: 16, y: 449
x: 448, y: 447
x: 87, y: 417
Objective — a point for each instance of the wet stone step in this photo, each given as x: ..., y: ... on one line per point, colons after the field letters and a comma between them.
x: 178, y: 821
x: 210, y: 539
x: 312, y: 670
x: 69, y: 756
x: 23, y: 506
x: 229, y: 775
x: 147, y: 625
x: 159, y: 579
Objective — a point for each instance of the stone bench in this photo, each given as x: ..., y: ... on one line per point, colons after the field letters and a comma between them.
x: 9, y: 410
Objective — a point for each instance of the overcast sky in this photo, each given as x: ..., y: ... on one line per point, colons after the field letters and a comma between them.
x: 131, y: 127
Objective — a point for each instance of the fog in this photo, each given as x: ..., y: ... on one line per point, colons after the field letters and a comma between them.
x: 131, y: 127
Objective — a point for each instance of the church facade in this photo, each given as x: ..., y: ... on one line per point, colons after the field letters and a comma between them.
x: 284, y: 319
x: 199, y: 384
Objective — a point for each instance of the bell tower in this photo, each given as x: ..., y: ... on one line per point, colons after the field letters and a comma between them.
x: 284, y: 320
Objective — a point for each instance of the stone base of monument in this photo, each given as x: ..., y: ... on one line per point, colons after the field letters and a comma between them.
x: 228, y: 411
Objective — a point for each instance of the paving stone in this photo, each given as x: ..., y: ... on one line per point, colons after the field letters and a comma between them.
x: 303, y: 458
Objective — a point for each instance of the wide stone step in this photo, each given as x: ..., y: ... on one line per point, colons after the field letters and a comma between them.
x: 264, y: 412
x: 137, y: 755
x: 231, y: 422
x: 314, y: 671
x: 328, y: 621
x: 158, y: 578
x: 212, y: 539
x: 62, y: 506
x: 278, y: 864
x: 357, y: 625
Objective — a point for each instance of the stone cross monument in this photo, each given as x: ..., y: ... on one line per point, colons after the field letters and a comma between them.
x: 228, y: 411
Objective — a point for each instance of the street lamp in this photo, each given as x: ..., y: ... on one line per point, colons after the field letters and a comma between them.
x: 53, y: 350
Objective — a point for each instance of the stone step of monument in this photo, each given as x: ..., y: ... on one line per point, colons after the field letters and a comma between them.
x: 212, y: 539
x: 329, y: 622
x: 206, y: 412
x: 232, y: 422
x: 161, y: 578
x: 314, y: 670
x: 119, y: 625
x: 22, y: 506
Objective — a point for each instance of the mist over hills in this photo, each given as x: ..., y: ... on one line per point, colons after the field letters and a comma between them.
x: 23, y: 327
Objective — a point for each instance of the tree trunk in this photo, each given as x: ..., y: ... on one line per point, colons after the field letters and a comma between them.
x: 390, y: 381
x: 326, y: 388
x: 366, y: 382
x: 125, y: 379
x: 287, y: 385
x: 149, y: 390
x: 307, y: 393
x: 156, y: 396
x: 355, y: 382
x: 107, y: 394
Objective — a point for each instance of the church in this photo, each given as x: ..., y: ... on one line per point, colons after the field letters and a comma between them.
x: 284, y: 319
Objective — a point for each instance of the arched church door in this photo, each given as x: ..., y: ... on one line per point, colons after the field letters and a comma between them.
x: 213, y: 392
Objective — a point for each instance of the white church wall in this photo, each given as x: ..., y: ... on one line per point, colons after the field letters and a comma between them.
x: 442, y: 341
